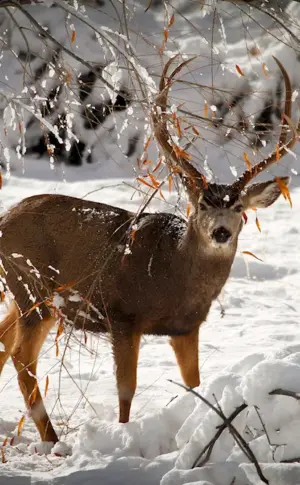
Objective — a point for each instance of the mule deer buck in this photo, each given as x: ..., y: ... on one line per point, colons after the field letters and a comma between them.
x: 163, y: 285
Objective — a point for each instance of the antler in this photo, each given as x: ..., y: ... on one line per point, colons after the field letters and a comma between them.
x: 282, y: 148
x: 176, y: 158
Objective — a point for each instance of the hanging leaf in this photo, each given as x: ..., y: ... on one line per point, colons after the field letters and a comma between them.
x: 73, y: 37
x: 180, y: 153
x: 162, y: 195
x: 257, y: 224
x: 188, y: 210
x: 139, y: 179
x: 21, y: 424
x: 153, y: 180
x: 170, y: 182
x: 265, y: 70
x: 3, y: 457
x: 147, y: 144
x: 277, y: 152
x: 253, y: 255
x: 166, y: 34
x: 239, y: 70
x: 195, y: 131
x: 179, y: 131
x: 5, y: 442
x: 284, y: 190
x: 46, y: 386
x: 247, y: 161
x: 32, y: 397
x: 205, y: 109
x: 171, y: 21
x: 65, y: 286
x: 157, y: 165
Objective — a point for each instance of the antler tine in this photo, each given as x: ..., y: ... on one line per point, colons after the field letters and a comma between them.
x: 282, y: 148
x: 159, y: 118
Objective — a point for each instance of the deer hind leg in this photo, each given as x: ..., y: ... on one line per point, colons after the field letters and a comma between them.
x: 8, y: 333
x: 186, y: 351
x: 28, y: 342
x: 126, y: 351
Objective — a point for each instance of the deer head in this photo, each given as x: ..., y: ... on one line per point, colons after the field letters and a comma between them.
x: 217, y: 208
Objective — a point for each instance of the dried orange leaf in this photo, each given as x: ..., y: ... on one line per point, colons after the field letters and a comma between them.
x: 195, y: 131
x: 46, y: 386
x: 166, y: 34
x: 5, y: 442
x: 21, y: 424
x: 66, y: 286
x: 153, y: 180
x: 188, y: 210
x: 247, y: 161
x: 205, y: 109
x: 60, y: 330
x: 139, y: 179
x: 12, y: 441
x: 147, y: 162
x: 147, y: 143
x: 265, y: 70
x: 253, y: 255
x: 171, y: 21
x: 133, y: 234
x: 34, y: 307
x: 204, y: 180
x: 32, y: 398
x: 179, y: 131
x: 257, y: 224
x: 179, y: 152
x: 239, y: 70
x: 73, y: 37
x: 277, y: 152
x: 284, y: 190
x: 162, y: 195
x: 157, y: 165
x: 170, y: 182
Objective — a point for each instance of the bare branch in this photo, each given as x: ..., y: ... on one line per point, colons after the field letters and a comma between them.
x: 235, y: 434
x: 283, y: 392
x: 207, y: 450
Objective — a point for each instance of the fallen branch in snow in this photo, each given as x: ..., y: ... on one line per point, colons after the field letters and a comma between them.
x: 207, y: 450
x: 283, y: 392
x: 243, y: 445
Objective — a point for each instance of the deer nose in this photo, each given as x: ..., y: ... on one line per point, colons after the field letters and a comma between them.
x: 221, y: 235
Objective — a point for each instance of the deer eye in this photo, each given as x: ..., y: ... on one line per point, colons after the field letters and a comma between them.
x: 239, y: 208
x: 202, y: 207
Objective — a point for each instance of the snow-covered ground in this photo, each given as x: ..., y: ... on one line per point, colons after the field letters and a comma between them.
x: 251, y: 350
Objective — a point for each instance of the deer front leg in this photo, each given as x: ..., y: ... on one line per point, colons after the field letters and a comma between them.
x: 186, y: 351
x: 126, y: 350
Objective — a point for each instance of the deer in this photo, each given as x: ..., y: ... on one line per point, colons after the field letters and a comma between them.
x: 74, y: 260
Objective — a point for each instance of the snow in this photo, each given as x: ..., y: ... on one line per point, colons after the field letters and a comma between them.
x: 251, y: 351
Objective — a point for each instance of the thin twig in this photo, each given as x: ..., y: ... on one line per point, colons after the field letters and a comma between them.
x: 236, y: 435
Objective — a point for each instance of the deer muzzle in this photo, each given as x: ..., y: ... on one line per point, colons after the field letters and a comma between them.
x: 221, y: 235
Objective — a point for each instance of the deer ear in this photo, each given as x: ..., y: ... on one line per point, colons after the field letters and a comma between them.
x: 263, y: 194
